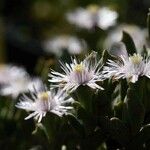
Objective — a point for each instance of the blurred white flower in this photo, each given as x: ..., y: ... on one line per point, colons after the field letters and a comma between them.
x: 42, y: 102
x: 86, y: 72
x: 15, y: 80
x: 57, y: 44
x: 103, y: 17
x: 106, y: 18
x: 131, y: 68
x: 138, y: 35
x: 10, y: 73
x: 81, y: 17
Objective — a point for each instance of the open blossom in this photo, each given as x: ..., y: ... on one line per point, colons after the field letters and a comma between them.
x: 10, y: 73
x: 20, y: 85
x: 42, y: 102
x: 59, y: 43
x: 131, y: 68
x: 15, y: 80
x: 93, y: 15
x: 86, y: 72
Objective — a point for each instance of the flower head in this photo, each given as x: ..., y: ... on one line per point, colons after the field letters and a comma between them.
x: 15, y: 80
x: 58, y: 44
x: 86, y: 72
x: 93, y: 15
x: 9, y: 73
x: 106, y: 18
x: 131, y: 68
x: 42, y: 102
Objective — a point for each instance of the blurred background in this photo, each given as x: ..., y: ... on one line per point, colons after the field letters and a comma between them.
x: 34, y: 29
x: 35, y: 34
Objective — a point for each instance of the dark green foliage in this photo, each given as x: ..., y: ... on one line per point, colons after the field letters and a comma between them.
x: 129, y: 43
x: 133, y: 111
x: 141, y: 140
x: 148, y: 25
x: 114, y: 128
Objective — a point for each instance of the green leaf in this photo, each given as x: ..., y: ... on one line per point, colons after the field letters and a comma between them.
x: 76, y: 124
x: 84, y: 96
x: 139, y: 141
x: 133, y: 111
x: 93, y: 140
x: 106, y: 56
x: 148, y: 24
x: 144, y: 51
x: 117, y: 106
x: 43, y: 128
x: 129, y: 43
x: 116, y: 129
x: 146, y: 94
x: 123, y: 88
x: 119, y: 131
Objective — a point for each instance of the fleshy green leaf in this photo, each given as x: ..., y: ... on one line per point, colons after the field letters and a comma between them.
x: 139, y: 141
x: 129, y: 43
x: 116, y: 129
x: 76, y: 124
x: 106, y: 56
x: 148, y: 23
x: 133, y: 112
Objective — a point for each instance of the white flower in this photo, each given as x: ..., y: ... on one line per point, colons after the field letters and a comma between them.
x: 81, y: 17
x: 59, y: 43
x: 106, y: 18
x: 131, y: 68
x: 103, y: 17
x: 42, y: 102
x: 15, y: 80
x: 86, y: 72
x: 14, y: 88
x: 10, y: 73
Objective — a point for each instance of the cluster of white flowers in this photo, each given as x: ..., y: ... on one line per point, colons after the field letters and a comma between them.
x: 15, y: 80
x: 88, y: 72
x: 93, y: 15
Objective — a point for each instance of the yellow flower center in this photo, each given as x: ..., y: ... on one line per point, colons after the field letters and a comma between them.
x: 78, y: 68
x: 43, y: 96
x: 93, y: 8
x: 136, y: 59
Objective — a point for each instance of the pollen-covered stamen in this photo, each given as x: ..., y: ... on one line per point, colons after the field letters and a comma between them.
x: 43, y: 96
x: 93, y: 9
x: 78, y: 68
x: 136, y: 59
x: 43, y: 102
x: 80, y: 74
